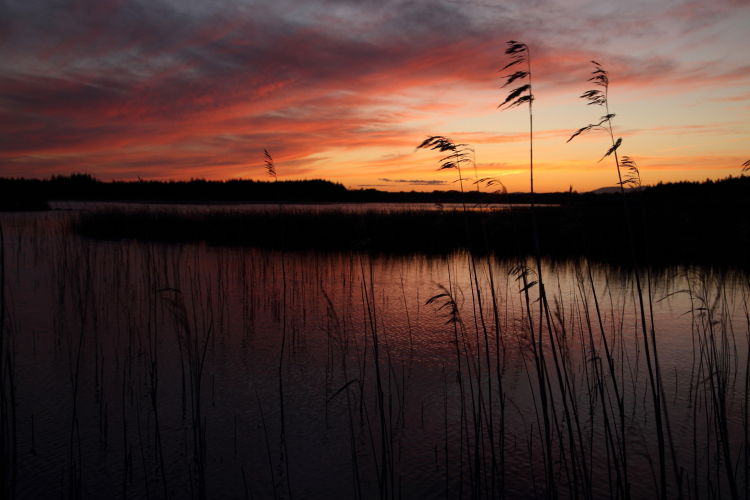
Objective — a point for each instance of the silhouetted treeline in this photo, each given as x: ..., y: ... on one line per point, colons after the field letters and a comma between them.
x: 34, y: 193
x: 86, y: 187
x: 453, y: 196
x: 724, y: 194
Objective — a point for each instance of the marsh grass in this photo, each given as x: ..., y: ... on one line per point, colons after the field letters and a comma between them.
x: 458, y: 409
x: 500, y: 385
x: 542, y: 329
x: 600, y: 97
x: 677, y: 233
x: 269, y: 164
x: 8, y: 429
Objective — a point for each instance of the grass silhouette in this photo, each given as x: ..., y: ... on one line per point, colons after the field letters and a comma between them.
x: 548, y: 385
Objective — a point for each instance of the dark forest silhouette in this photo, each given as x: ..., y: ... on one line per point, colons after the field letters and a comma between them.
x: 685, y: 222
x: 32, y: 194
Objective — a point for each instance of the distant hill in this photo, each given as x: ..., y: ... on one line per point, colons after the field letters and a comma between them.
x: 616, y: 189
x: 606, y: 190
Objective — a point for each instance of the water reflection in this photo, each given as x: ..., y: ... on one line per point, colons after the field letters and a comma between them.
x: 186, y: 370
x: 243, y: 207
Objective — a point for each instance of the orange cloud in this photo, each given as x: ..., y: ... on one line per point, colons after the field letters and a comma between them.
x: 149, y: 90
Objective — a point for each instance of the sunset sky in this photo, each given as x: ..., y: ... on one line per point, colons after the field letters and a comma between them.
x: 346, y: 89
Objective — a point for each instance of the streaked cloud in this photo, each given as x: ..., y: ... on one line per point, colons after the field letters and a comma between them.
x: 414, y: 182
x: 339, y: 89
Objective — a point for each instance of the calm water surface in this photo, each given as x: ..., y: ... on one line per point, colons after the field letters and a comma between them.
x: 287, y: 207
x: 149, y: 370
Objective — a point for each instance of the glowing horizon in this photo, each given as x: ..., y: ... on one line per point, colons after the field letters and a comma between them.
x: 346, y: 90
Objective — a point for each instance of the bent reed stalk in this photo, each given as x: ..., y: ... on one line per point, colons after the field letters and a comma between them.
x: 600, y: 97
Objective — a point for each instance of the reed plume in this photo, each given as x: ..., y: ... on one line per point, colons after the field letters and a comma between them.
x: 269, y: 164
x: 600, y: 97
x: 633, y: 175
x: 458, y: 154
x: 524, y: 94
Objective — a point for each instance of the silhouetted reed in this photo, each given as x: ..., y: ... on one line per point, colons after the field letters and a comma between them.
x: 269, y: 165
x: 542, y: 383
x: 469, y: 421
x: 600, y: 97
x: 8, y: 431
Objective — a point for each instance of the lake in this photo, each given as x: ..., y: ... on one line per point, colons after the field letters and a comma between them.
x: 138, y: 369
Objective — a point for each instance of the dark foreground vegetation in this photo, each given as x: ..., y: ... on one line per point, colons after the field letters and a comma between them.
x: 33, y: 194
x: 687, y: 222
x: 84, y: 187
x: 675, y: 223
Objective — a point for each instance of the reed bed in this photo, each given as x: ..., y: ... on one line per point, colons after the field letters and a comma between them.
x: 694, y: 237
x: 203, y: 371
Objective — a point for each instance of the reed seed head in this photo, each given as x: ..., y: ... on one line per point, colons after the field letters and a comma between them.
x: 518, y: 53
x: 270, y: 167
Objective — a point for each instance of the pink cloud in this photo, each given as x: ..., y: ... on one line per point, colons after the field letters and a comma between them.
x: 130, y: 90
